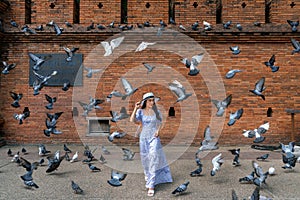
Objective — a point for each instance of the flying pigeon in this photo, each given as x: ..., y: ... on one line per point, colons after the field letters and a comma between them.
x: 116, y: 178
x: 75, y: 157
x: 110, y: 46
x: 66, y: 149
x: 231, y: 73
x: 91, y: 71
x: 116, y: 134
x: 129, y: 90
x: 66, y: 86
x: 93, y: 104
x: 128, y: 154
x: 217, y: 162
x: 51, y: 101
x: 249, y: 133
x: 70, y: 52
x: 236, y: 153
x: 94, y: 168
x: 104, y: 150
x: 51, y: 122
x: 227, y: 25
x: 247, y: 179
x: 296, y: 46
x: 288, y: 149
x: 271, y: 63
x: 119, y: 116
x: 181, y: 188
x: 16, y: 97
x: 293, y: 24
x: 41, y: 81
x: 179, y: 90
x: 233, y: 117
x: 114, y: 93
x: 222, y: 105
x: 193, y: 63
x: 22, y: 116
x: 263, y: 128
x: 28, y: 180
x: 261, y: 176
x: 263, y: 157
x: 38, y: 61
x: 28, y: 165
x: 207, y: 143
x: 76, y: 188
x: 142, y: 46
x: 259, y: 88
x: 148, y: 67
x: 7, y: 67
x: 235, y: 50
x: 42, y: 150
x: 289, y: 163
x: 53, y: 163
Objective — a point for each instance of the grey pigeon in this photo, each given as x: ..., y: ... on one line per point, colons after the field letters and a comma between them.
x: 51, y: 101
x: 293, y: 24
x: 66, y: 86
x: 51, y: 122
x: 289, y: 163
x: 42, y: 150
x: 28, y: 165
x: 22, y: 116
x: 39, y: 28
x: 110, y: 46
x: 76, y: 188
x: 101, y: 27
x: 94, y: 168
x: 116, y: 178
x: 181, y: 188
x: 66, y: 149
x: 227, y: 25
x: 263, y: 157
x: 104, y: 150
x: 258, y: 137
x: 172, y: 21
x: 263, y: 128
x: 207, y: 143
x: 41, y: 81
x: 7, y: 67
x: 37, y: 60
x: 114, y: 93
x: 27, y: 30
x: 128, y: 154
x: 255, y: 195
x: 193, y: 63
x: 257, y: 23
x: 296, y: 46
x: 249, y: 133
x: 271, y: 63
x: 236, y: 153
x: 259, y: 88
x: 235, y: 50
x: 181, y: 27
x: 195, y: 26
x: 112, y: 24
x: 70, y: 52
x: 28, y: 180
x: 239, y: 27
x: 57, y: 29
x: 16, y: 97
x: 179, y: 90
x: 116, y: 134
x: 119, y: 116
x: 148, y: 67
x: 217, y: 162
x: 91, y: 71
x: 53, y: 163
x: 129, y: 90
x: 222, y: 105
x: 233, y: 117
x: 14, y: 23
x: 41, y: 161
x: 288, y: 149
x: 261, y: 176
x: 24, y: 151
x: 91, y: 26
x: 93, y: 104
x: 68, y: 24
x: 247, y: 179
x: 231, y: 73
x: 207, y: 26
x: 196, y: 172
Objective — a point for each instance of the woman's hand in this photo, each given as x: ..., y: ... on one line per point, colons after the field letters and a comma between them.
x: 156, y: 134
x: 137, y: 105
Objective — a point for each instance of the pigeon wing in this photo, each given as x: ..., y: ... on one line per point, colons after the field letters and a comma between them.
x: 107, y: 48
x: 259, y: 86
x: 127, y: 86
x: 41, y: 77
x: 197, y: 59
x: 116, y: 42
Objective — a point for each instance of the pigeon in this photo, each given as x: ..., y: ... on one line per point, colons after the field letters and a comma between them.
x: 27, y: 30
x: 116, y: 178
x: 128, y: 154
x: 68, y: 24
x: 288, y: 149
x: 239, y: 27
x: 41, y: 161
x: 41, y: 81
x: 231, y: 73
x: 110, y: 46
x: 207, y: 143
x: 101, y: 27
x: 196, y: 172
x: 296, y: 46
x: 249, y: 133
x: 93, y: 104
x: 24, y: 151
x: 70, y: 52
x: 181, y: 188
x: 76, y: 188
x: 114, y: 93
x: 255, y: 195
x: 293, y: 24
x: 112, y: 24
x: 233, y: 117
x: 22, y: 116
x: 91, y: 71
x: 28, y: 180
x: 102, y: 159
x: 263, y: 157
x: 51, y: 122
x: 258, y: 137
x: 261, y: 176
x: 235, y: 50
x: 7, y: 67
x: 39, y: 28
x: 94, y: 168
x: 16, y: 158
x: 217, y: 162
x: 27, y: 165
x: 51, y: 101
x: 236, y: 153
x: 104, y: 150
x: 193, y: 63
x: 143, y: 45
x: 181, y: 27
x: 129, y: 90
x: 16, y: 97
x: 91, y: 26
x: 14, y: 23
x: 75, y: 157
x: 116, y: 134
x: 259, y: 88
x: 162, y: 23
x: 148, y: 67
x: 31, y: 184
x: 119, y: 116
x: 172, y: 21
x: 179, y: 90
x: 66, y: 86
x: 53, y: 163
x: 234, y: 195
x: 207, y: 26
x: 195, y: 26
x: 271, y: 170
x: 42, y: 150
x: 227, y: 25
x: 289, y: 163
x: 257, y: 24
x: 247, y: 179
x: 67, y: 157
x: 270, y: 64
x: 38, y: 61
x: 66, y: 149
x: 222, y: 105
x: 9, y: 153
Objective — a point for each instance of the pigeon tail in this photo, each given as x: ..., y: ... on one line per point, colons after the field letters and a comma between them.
x: 193, y: 72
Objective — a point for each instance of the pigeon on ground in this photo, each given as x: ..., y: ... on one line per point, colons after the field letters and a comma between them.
x: 217, y: 162
x: 129, y: 90
x: 231, y: 73
x: 7, y: 67
x: 39, y: 28
x: 70, y: 52
x: 16, y: 97
x: 66, y: 86
x: 181, y: 188
x: 14, y: 23
x: 27, y: 30
x: 75, y: 157
x: 179, y: 90
x: 51, y: 101
x: 91, y: 71
x: 57, y: 29
x: 271, y: 63
x: 259, y: 88
x: 235, y: 50
x: 53, y: 163
x: 181, y: 27
x: 16, y: 158
x: 116, y: 178
x: 76, y: 188
x: 207, y: 26
x: 257, y: 24
x: 128, y: 154
x: 119, y: 116
x: 247, y: 179
x: 94, y: 168
x: 91, y: 26
x: 293, y: 24
x: 222, y: 105
x: 112, y: 24
x: 195, y: 26
x: 93, y: 104
x: 67, y: 157
x: 263, y: 157
x: 68, y: 24
x: 22, y: 116
x: 193, y: 63
x: 236, y: 153
x: 101, y: 27
x: 289, y: 163
x: 9, y: 153
x: 296, y: 46
x: 207, y: 143
x: 261, y: 176
x: 24, y: 151
x: 66, y: 149
x: 104, y: 150
x: 172, y: 21
x: 143, y: 45
x: 239, y: 27
x: 116, y: 134
x: 227, y: 25
x: 233, y: 117
x: 110, y: 46
x: 28, y: 180
x: 148, y: 67
x: 42, y: 150
x: 102, y: 159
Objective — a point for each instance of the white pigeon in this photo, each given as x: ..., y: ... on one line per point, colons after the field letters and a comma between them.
x: 217, y: 161
x: 110, y: 46
x: 271, y: 171
x: 75, y: 157
x: 144, y: 45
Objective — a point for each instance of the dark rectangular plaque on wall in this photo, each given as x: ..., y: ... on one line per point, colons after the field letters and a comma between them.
x: 66, y: 71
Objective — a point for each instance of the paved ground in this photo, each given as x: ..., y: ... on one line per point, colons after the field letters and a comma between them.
x: 57, y: 185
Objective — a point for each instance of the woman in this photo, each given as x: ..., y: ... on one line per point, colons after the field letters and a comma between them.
x: 153, y: 159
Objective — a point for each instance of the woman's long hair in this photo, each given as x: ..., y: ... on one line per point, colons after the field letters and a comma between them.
x: 154, y: 107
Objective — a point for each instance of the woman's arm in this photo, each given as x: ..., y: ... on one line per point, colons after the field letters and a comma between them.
x: 132, y: 117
